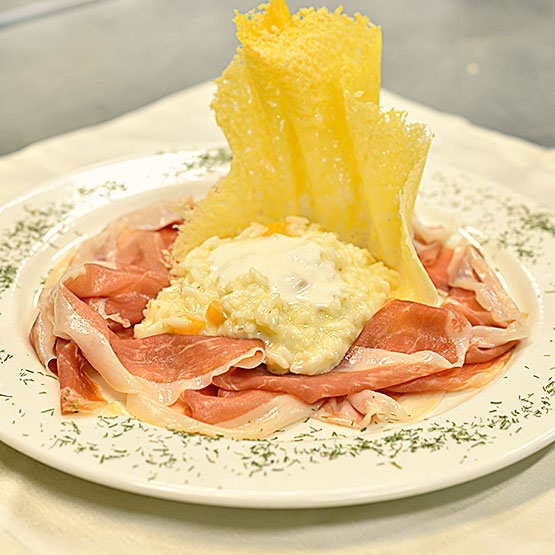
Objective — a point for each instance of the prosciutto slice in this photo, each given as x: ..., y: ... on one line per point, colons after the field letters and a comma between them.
x: 119, y: 293
x: 436, y: 259
x: 359, y: 409
x: 410, y: 328
x: 138, y: 239
x: 42, y: 335
x: 456, y: 379
x: 160, y: 366
x: 224, y: 405
x: 499, y: 325
x: 278, y: 413
x: 78, y: 393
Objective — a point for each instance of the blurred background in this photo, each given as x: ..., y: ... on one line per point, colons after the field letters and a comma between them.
x: 65, y: 64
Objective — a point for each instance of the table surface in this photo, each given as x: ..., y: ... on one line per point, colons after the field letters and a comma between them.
x: 65, y: 64
x: 77, y: 63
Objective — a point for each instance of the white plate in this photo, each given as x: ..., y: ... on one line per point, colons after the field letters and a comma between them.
x: 310, y: 465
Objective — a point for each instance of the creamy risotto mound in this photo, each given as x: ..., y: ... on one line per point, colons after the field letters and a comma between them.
x: 299, y: 289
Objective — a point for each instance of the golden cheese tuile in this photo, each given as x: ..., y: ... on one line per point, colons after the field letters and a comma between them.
x: 299, y: 107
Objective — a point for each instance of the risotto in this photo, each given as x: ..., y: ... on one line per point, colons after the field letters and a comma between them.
x: 299, y: 289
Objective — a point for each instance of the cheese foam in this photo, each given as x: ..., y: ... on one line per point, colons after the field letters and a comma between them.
x: 294, y: 267
x: 302, y: 291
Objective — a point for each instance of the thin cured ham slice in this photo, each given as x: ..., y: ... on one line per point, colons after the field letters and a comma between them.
x: 78, y: 393
x: 144, y: 249
x: 338, y: 410
x: 260, y: 422
x: 390, y: 369
x: 430, y: 243
x: 360, y: 409
x: 376, y: 406
x: 473, y: 290
x: 471, y: 284
x: 408, y: 327
x: 436, y: 259
x: 110, y: 280
x: 214, y: 409
x: 456, y: 379
x: 465, y: 302
x: 497, y: 322
x: 160, y: 366
x: 137, y: 239
x: 194, y: 359
x: 468, y: 270
x: 118, y: 293
x: 477, y: 355
x: 42, y: 335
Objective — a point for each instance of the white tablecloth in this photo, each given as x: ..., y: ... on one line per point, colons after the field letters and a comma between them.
x: 45, y: 511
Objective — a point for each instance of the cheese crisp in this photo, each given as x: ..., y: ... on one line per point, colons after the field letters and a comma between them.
x: 299, y: 108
